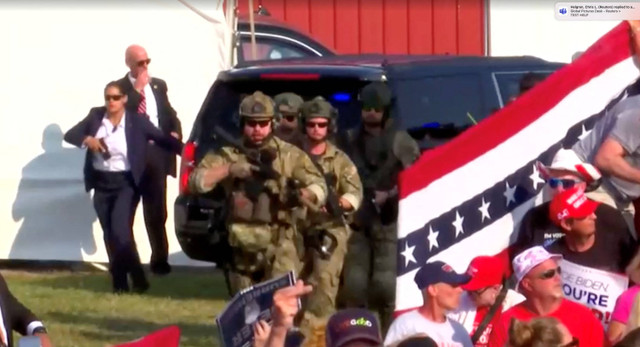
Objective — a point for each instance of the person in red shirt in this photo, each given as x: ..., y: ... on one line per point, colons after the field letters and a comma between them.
x: 481, y: 293
x: 538, y: 279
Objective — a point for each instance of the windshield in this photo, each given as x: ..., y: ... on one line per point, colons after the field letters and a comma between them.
x: 221, y: 106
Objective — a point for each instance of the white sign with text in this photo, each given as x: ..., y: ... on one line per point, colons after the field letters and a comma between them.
x: 596, y: 289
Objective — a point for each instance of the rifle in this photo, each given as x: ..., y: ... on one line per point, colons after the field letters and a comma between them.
x: 263, y: 159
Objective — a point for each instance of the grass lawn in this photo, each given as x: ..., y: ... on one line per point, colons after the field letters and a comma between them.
x: 79, y: 309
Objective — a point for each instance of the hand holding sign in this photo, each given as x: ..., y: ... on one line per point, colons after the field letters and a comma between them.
x: 261, y: 331
x: 285, y: 303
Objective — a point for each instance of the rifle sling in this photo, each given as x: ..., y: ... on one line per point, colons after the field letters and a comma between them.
x: 492, y: 311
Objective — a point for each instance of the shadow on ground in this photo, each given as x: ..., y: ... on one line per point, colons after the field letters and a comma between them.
x: 177, y: 285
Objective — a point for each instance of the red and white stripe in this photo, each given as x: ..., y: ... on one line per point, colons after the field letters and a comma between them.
x: 501, y: 144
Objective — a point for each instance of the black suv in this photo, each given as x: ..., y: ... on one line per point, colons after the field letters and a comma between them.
x: 435, y: 98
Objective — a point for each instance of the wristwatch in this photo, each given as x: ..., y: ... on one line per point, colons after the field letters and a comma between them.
x: 39, y: 330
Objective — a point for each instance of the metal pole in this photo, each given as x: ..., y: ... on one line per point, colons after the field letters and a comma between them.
x: 232, y: 20
x: 254, y: 51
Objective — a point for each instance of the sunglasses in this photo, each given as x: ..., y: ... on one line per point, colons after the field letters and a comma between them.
x: 142, y: 63
x: 372, y: 108
x: 318, y: 125
x: 115, y: 97
x: 565, y: 183
x: 551, y: 273
x: 574, y: 342
x: 290, y: 118
x: 257, y: 123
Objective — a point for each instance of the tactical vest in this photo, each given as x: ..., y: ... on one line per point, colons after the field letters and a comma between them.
x: 378, y: 168
x: 373, y: 156
x: 257, y: 204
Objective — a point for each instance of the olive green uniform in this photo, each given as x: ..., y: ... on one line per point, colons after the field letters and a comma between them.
x: 288, y: 104
x: 369, y: 273
x: 326, y: 252
x: 269, y: 245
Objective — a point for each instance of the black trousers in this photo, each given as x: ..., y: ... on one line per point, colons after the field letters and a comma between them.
x: 153, y: 188
x: 115, y: 201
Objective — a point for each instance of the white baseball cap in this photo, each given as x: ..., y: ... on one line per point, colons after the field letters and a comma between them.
x: 567, y: 159
x: 530, y: 258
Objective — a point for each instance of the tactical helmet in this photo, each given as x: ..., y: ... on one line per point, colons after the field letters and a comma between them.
x: 257, y: 105
x: 318, y: 107
x: 375, y: 95
x: 287, y: 104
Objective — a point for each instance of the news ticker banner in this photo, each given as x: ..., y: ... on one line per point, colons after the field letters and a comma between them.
x: 596, y: 289
x: 597, y: 11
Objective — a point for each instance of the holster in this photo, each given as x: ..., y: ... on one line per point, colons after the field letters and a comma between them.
x: 321, y: 241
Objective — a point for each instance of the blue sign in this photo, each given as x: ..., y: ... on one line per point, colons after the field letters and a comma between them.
x: 236, y: 321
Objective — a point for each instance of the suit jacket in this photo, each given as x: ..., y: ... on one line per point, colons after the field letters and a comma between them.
x: 167, y: 116
x: 138, y: 131
x: 14, y: 314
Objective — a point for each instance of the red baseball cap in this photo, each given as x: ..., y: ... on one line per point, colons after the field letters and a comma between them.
x: 571, y: 203
x: 485, y: 271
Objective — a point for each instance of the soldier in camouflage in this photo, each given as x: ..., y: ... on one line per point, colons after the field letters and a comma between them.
x: 380, y: 152
x: 261, y: 223
x: 327, y: 231
x: 287, y: 116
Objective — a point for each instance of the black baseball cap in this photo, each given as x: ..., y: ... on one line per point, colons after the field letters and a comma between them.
x: 439, y: 272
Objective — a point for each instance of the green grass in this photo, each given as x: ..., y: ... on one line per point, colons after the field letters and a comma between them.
x: 79, y: 309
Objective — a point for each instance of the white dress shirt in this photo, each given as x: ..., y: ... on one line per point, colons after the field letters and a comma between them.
x: 152, y: 106
x: 116, y: 141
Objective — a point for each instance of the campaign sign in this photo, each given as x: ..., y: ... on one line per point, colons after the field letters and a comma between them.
x: 236, y: 321
x: 595, y: 289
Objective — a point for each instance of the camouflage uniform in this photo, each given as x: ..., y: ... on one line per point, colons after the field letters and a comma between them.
x: 260, y: 249
x: 370, y: 265
x: 288, y: 104
x: 325, y: 266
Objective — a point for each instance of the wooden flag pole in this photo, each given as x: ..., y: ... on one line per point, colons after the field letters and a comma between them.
x: 254, y: 51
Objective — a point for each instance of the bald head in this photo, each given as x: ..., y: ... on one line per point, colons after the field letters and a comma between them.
x: 136, y: 59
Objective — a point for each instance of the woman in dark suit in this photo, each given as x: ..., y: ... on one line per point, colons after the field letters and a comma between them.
x: 117, y: 142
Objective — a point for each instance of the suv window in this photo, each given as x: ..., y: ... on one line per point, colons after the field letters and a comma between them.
x: 221, y: 108
x: 272, y: 49
x: 509, y: 83
x: 436, y: 108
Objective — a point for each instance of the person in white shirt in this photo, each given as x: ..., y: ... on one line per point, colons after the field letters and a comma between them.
x: 481, y: 293
x: 148, y: 97
x: 440, y: 287
x: 116, y: 142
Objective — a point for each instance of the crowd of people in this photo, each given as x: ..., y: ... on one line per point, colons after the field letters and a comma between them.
x: 587, y: 222
x: 305, y: 196
x: 301, y: 200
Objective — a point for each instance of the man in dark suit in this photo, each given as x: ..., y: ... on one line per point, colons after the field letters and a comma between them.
x: 15, y: 316
x: 114, y: 167
x: 148, y: 95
